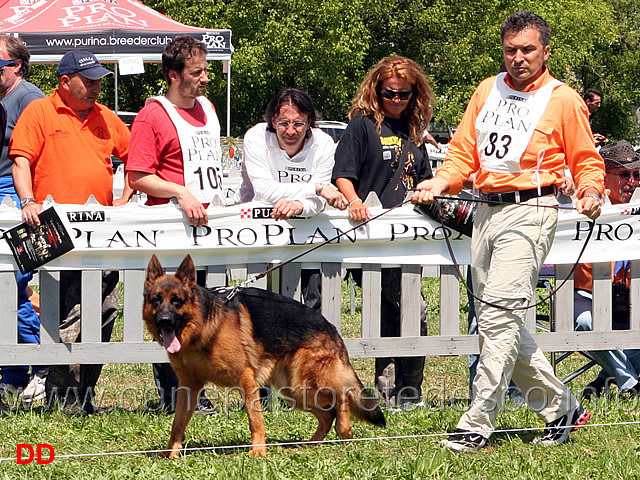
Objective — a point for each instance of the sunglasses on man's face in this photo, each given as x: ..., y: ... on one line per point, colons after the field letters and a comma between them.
x: 8, y: 65
x: 626, y: 176
x: 391, y: 94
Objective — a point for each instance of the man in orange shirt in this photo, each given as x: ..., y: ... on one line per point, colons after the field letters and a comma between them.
x: 520, y: 130
x: 62, y: 146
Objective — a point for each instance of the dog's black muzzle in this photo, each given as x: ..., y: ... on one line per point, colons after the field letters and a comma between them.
x: 166, y: 320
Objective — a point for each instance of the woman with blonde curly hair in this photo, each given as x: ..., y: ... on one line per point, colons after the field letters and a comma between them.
x: 382, y: 150
x: 417, y: 112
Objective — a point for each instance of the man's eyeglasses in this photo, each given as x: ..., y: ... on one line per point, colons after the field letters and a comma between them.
x: 625, y: 176
x: 391, y: 94
x: 284, y: 124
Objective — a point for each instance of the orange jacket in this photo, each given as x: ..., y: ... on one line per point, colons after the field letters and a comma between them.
x: 70, y: 159
x: 563, y: 132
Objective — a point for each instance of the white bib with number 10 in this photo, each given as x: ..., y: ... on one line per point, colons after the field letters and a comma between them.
x: 201, y: 152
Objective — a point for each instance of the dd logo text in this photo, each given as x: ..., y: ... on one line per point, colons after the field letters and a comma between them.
x: 38, y: 453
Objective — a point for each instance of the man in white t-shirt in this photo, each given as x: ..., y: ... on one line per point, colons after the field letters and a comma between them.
x: 288, y: 160
x: 288, y: 163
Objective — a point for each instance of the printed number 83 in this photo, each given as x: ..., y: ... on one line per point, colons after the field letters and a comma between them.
x: 498, y: 150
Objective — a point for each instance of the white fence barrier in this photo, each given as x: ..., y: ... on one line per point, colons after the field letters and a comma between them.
x: 242, y: 240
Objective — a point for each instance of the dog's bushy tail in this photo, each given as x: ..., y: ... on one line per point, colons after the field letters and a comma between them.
x: 365, y: 405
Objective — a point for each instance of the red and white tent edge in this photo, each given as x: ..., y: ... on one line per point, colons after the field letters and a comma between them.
x: 111, y: 29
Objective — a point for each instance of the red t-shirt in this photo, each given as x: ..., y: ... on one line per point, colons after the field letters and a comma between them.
x: 155, y: 146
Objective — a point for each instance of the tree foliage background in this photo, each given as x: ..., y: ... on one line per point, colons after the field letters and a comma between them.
x: 326, y: 47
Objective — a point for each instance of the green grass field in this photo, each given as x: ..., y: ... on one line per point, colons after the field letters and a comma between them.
x: 407, y: 449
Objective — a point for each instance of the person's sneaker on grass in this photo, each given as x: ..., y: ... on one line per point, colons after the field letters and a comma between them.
x: 557, y: 432
x: 463, y: 441
x: 35, y: 389
x: 204, y: 406
x: 407, y: 406
x: 633, y: 391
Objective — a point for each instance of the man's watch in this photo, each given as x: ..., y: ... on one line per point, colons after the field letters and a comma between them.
x: 26, y: 201
x: 594, y: 195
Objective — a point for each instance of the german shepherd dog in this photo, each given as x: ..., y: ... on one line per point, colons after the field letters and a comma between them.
x: 255, y: 338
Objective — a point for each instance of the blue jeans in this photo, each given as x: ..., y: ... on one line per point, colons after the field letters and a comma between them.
x: 28, y: 320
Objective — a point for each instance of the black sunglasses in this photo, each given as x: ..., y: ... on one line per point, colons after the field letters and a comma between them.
x: 391, y: 94
x: 12, y: 64
x: 626, y: 176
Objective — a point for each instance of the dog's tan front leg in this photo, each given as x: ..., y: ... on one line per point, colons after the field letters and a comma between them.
x: 254, y: 412
x: 186, y: 402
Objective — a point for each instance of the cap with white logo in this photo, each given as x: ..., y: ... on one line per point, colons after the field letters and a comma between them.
x: 84, y: 63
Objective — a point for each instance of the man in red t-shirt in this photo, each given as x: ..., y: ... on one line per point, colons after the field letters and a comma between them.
x: 175, y: 152
x: 175, y: 139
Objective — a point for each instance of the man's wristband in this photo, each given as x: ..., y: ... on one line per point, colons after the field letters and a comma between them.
x: 593, y: 195
x: 26, y: 201
x: 319, y: 188
x: 357, y: 199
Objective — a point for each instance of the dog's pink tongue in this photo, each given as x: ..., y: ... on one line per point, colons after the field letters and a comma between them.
x: 171, y: 342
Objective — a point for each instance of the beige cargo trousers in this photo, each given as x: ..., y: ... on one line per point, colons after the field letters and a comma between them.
x: 509, y: 245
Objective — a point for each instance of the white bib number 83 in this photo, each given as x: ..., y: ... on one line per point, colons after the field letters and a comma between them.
x: 498, y: 150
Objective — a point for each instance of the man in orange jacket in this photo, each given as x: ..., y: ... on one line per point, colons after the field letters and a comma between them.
x: 519, y: 132
x: 62, y: 146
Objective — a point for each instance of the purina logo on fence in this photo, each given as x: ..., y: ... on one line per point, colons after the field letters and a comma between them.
x: 88, y: 216
x: 264, y: 212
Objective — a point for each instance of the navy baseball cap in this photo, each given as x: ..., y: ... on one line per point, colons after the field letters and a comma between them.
x: 6, y: 63
x: 84, y: 63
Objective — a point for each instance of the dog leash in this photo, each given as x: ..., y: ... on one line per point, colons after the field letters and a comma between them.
x: 552, y: 293
x: 233, y: 290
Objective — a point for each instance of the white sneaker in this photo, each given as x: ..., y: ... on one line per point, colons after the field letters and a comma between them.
x: 407, y: 406
x: 557, y: 432
x: 34, y: 389
x: 463, y: 441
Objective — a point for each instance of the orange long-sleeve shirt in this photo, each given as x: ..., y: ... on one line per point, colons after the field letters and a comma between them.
x: 563, y: 132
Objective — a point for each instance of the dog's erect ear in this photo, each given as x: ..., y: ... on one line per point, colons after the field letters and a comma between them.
x: 154, y: 269
x: 187, y: 271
